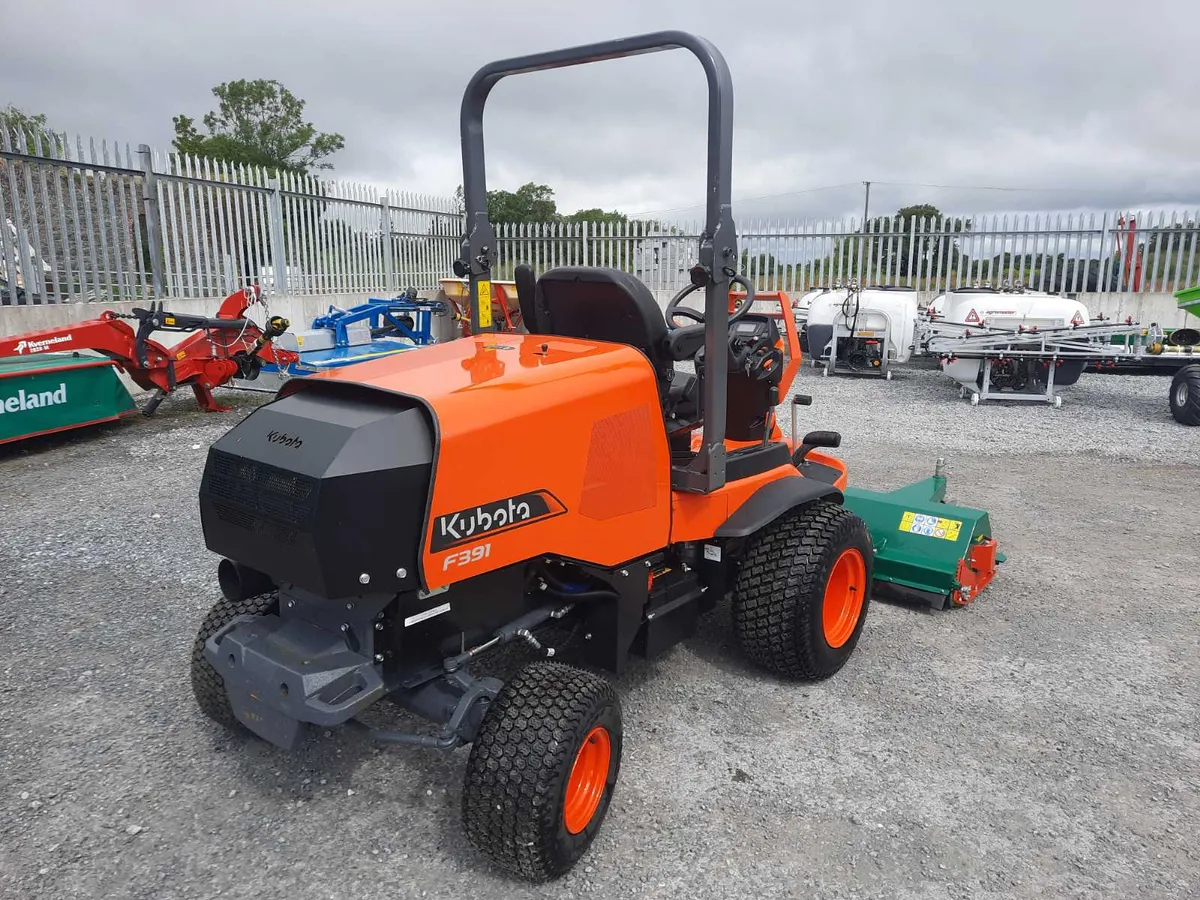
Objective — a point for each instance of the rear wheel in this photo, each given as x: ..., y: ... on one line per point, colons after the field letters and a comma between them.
x: 542, y: 770
x: 802, y: 594
x: 207, y: 686
x: 1185, y: 396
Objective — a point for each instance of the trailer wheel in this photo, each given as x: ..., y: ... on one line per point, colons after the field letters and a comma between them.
x: 803, y: 590
x: 1185, y: 396
x: 207, y: 685
x: 542, y: 770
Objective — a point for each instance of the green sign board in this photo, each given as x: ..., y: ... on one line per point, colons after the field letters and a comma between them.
x: 51, y: 392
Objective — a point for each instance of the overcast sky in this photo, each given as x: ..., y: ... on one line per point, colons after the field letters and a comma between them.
x: 1094, y: 103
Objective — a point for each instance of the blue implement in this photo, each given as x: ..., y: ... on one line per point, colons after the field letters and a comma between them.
x: 346, y: 337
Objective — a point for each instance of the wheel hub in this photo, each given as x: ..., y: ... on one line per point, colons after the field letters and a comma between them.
x: 844, y: 594
x: 588, y: 779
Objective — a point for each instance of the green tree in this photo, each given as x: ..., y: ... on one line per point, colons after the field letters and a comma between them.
x: 893, y: 242
x: 258, y: 123
x: 32, y: 126
x: 528, y: 203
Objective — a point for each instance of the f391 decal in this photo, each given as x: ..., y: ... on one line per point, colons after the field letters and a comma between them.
x: 465, y: 525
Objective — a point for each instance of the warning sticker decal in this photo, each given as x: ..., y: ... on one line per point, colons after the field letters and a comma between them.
x: 931, y: 526
x: 485, y: 303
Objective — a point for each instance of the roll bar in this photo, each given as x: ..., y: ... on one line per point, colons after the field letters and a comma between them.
x: 718, y: 257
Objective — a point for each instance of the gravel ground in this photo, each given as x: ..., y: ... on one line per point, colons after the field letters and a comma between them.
x: 1041, y: 743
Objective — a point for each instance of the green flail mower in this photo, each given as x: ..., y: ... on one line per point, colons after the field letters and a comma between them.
x: 927, y: 551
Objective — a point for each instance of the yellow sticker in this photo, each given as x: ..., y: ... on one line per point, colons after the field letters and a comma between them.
x: 169, y: 320
x: 931, y: 526
x: 299, y: 340
x: 485, y: 304
x: 864, y: 334
x: 181, y: 354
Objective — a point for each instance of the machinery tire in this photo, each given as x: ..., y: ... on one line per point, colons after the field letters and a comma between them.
x: 802, y: 594
x: 207, y: 686
x: 1185, y: 395
x: 542, y: 770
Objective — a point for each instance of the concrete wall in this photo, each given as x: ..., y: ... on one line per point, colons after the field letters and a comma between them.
x: 299, y: 310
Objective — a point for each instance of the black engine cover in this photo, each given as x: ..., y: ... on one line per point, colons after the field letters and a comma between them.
x: 322, y: 486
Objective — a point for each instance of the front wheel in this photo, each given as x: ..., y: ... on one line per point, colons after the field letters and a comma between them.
x: 801, y: 596
x: 207, y: 686
x: 542, y: 770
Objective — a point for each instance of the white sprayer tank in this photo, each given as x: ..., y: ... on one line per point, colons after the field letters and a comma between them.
x: 890, y: 312
x: 1008, y: 309
x: 803, y: 304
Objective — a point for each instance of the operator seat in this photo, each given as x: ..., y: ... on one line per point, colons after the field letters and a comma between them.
x: 610, y: 305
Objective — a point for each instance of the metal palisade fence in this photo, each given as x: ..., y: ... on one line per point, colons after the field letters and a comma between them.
x: 1077, y: 253
x: 97, y: 221
x: 103, y: 222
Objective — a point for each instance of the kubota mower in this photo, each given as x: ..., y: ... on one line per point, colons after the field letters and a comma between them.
x: 227, y: 346
x: 373, y: 551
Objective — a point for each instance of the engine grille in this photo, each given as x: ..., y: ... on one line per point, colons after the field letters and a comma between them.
x: 239, y: 486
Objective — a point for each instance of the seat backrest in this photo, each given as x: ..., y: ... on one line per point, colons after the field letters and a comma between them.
x: 603, y: 305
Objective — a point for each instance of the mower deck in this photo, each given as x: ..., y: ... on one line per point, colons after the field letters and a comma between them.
x: 54, y: 392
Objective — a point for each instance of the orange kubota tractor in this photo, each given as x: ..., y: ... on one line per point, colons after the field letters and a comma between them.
x: 373, y: 550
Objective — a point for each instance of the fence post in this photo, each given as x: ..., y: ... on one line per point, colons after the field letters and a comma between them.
x: 154, y: 241
x: 385, y: 233
x: 278, y: 251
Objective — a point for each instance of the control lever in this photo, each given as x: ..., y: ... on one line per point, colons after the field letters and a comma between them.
x: 798, y: 400
x: 813, y: 440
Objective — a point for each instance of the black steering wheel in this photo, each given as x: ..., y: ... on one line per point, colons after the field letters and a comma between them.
x: 674, y: 309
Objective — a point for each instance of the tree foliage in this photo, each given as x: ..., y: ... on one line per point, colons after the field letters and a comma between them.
x: 259, y: 123
x: 535, y: 203
x: 528, y: 203
x: 891, y: 244
x: 33, y: 126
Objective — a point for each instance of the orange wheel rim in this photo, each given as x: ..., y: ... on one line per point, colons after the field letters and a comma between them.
x: 844, y: 593
x: 589, y: 778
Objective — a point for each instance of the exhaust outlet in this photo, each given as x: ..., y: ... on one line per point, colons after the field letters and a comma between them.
x: 240, y: 582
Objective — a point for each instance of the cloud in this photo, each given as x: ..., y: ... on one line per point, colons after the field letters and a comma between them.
x: 1088, y: 102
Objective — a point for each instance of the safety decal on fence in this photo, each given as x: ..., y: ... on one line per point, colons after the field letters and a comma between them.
x: 485, y: 304
x: 931, y: 526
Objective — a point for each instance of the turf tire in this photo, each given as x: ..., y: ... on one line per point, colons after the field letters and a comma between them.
x: 779, y: 594
x: 1186, y: 383
x: 516, y: 779
x: 207, y: 686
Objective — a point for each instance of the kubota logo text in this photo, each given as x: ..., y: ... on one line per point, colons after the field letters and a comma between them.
x: 39, y: 346
x: 488, y: 518
x: 283, y: 439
